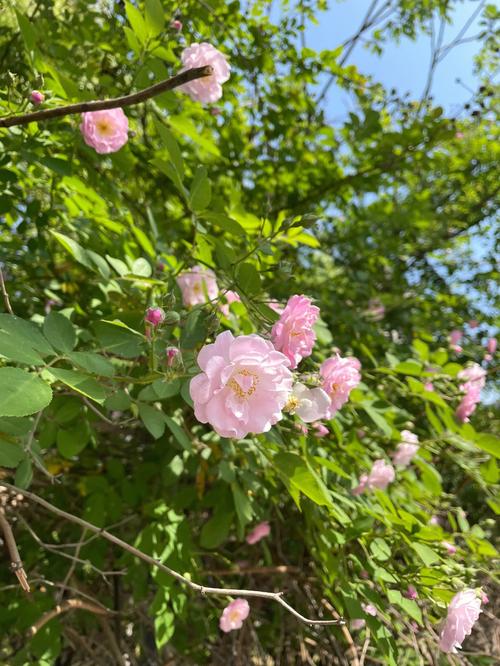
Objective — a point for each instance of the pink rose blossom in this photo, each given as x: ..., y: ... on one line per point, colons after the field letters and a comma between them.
x: 488, y: 358
x: 172, y: 354
x: 208, y: 88
x: 340, y: 376
x: 429, y: 386
x: 473, y: 323
x: 259, y: 532
x: 198, y: 285
x: 411, y: 593
x: 484, y: 598
x: 457, y: 349
x: 154, y: 316
x: 474, y: 375
x: 293, y: 333
x: 277, y: 307
x: 176, y: 25
x: 243, y: 387
x: 37, y: 97
x: 105, y: 131
x: 463, y: 613
x: 234, y: 614
x: 320, y: 430
x: 404, y: 454
x: 231, y: 297
x: 491, y: 346
x: 450, y: 548
x: 459, y: 135
x: 357, y: 624
x: 434, y: 520
x: 309, y: 404
x: 380, y: 476
x: 467, y: 405
x: 369, y: 609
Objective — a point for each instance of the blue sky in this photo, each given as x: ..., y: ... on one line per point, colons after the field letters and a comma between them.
x: 403, y: 66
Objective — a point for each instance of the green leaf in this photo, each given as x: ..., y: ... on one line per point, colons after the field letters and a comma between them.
x: 426, y: 554
x: 93, y: 363
x: 201, y: 191
x: 142, y: 267
x: 226, y: 223
x: 26, y: 333
x: 242, y: 504
x: 216, y: 530
x: 73, y: 248
x: 137, y: 22
x: 377, y: 418
x: 59, y: 332
x: 10, y: 454
x: 143, y: 241
x: 22, y: 393
x: 178, y: 433
x: 72, y: 441
x: 153, y: 419
x: 155, y: 18
x: 119, y: 340
x: 380, y: 549
x: 489, y: 443
x: 80, y: 382
x: 165, y: 389
x: 409, y: 368
x: 298, y: 474
x: 195, y: 329
x: 169, y: 141
x: 27, y: 30
x: 248, y: 278
x: 20, y: 353
x: 24, y: 474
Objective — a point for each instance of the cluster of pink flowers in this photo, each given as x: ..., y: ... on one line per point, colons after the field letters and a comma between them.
x: 406, y: 449
x: 198, y: 285
x: 293, y: 333
x: 209, y: 88
x: 340, y: 376
x: 243, y: 387
x: 463, y: 613
x: 380, y: 476
x: 474, y: 377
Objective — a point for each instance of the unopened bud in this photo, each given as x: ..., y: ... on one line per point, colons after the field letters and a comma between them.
x: 176, y: 25
x: 154, y: 316
x: 37, y: 97
x: 171, y: 318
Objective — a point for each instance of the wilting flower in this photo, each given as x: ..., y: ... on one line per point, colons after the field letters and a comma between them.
x: 231, y: 297
x: 176, y: 25
x: 207, y: 88
x: 309, y: 404
x: 450, y: 548
x: 105, y: 131
x: 320, y: 430
x: 293, y: 333
x: 172, y: 354
x: 259, y: 532
x: 406, y: 449
x: 37, y: 97
x: 197, y: 286
x: 411, y: 593
x: 380, y: 476
x: 243, y: 387
x: 340, y: 376
x: 154, y: 316
x: 234, y: 614
x: 463, y: 613
x: 369, y: 609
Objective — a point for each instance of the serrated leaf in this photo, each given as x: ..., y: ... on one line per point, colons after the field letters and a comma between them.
x: 80, y: 382
x: 22, y: 393
x: 59, y: 331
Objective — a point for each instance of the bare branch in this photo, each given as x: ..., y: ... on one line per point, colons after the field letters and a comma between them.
x: 272, y: 596
x: 16, y: 563
x: 69, y: 604
x: 101, y: 105
x: 5, y: 295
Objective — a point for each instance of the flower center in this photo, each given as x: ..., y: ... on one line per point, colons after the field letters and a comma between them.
x: 291, y: 405
x: 104, y: 128
x: 243, y: 383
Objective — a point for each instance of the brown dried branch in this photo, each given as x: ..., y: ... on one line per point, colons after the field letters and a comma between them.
x: 101, y: 105
x: 16, y: 563
x: 69, y: 604
x: 277, y: 597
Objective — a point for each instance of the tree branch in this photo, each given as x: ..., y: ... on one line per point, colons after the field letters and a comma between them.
x: 16, y: 564
x: 272, y: 596
x: 101, y: 105
x: 8, y: 306
x: 69, y: 604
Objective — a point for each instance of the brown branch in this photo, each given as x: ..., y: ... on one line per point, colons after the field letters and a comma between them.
x: 277, y: 597
x: 5, y: 295
x: 279, y: 569
x: 69, y: 604
x: 101, y: 105
x: 16, y: 563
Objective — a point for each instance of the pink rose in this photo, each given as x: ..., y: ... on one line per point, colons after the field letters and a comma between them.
x: 320, y: 430
x: 369, y: 609
x: 154, y: 316
x: 176, y: 25
x: 208, y: 88
x: 411, y: 593
x: 293, y: 333
x: 434, y: 520
x: 455, y: 337
x: 467, y: 405
x: 105, y: 131
x: 429, y: 386
x: 277, y: 307
x: 451, y: 549
x: 484, y: 598
x: 37, y: 97
x: 459, y: 135
x: 357, y: 624
x: 234, y: 614
x: 231, y: 297
x: 198, y: 285
x: 474, y: 375
x: 463, y: 613
x: 380, y: 476
x: 243, y: 387
x: 172, y: 354
x: 340, y: 376
x: 259, y: 532
x: 309, y: 404
x: 491, y: 346
x: 404, y: 454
